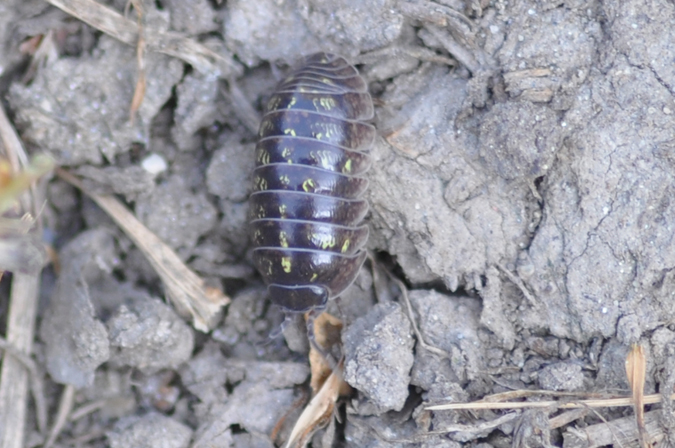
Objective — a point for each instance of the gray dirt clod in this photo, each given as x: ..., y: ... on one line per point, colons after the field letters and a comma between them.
x: 339, y: 22
x: 532, y: 430
x: 251, y: 441
x: 115, y: 389
x: 147, y: 334
x: 78, y: 109
x: 451, y: 324
x: 152, y: 430
x: 130, y: 181
x: 193, y: 17
x: 263, y: 393
x: 196, y: 109
x: 229, y: 172
x: 612, y: 366
x: 76, y: 342
x: 547, y: 52
x: 176, y: 215
x: 205, y: 375
x: 234, y: 226
x: 608, y: 211
x: 561, y: 376
x: 237, y: 331
x: 434, y: 204
x: 519, y: 139
x: 378, y: 356
x: 267, y: 30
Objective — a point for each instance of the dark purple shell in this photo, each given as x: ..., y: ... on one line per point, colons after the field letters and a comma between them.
x: 306, y: 209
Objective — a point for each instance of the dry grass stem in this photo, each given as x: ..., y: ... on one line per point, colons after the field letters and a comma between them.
x: 36, y: 384
x: 413, y: 322
x: 456, y: 49
x: 173, y: 44
x: 15, y: 372
x: 65, y: 407
x: 620, y: 433
x: 319, y: 410
x: 519, y: 283
x: 184, y: 288
x: 248, y: 116
x: 636, y: 369
x: 14, y: 375
x: 479, y: 427
x: 593, y: 403
x: 139, y: 91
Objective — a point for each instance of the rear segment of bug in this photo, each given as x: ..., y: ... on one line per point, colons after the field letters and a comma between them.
x: 306, y: 207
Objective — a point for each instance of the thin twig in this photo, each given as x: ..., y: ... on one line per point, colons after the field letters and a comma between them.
x: 595, y: 403
x: 37, y: 386
x: 242, y: 107
x: 620, y: 432
x: 87, y: 409
x: 65, y: 406
x: 411, y: 316
x: 454, y: 48
x: 14, y: 376
x: 479, y: 427
x: 184, y: 288
x: 173, y: 44
x: 519, y: 283
x: 139, y: 91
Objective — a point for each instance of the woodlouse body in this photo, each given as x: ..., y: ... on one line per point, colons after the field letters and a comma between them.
x: 306, y: 207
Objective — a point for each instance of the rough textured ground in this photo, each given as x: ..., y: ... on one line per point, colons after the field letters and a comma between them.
x: 522, y: 187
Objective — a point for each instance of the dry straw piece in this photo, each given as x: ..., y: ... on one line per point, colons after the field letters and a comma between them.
x: 105, y: 19
x: 18, y: 371
x: 184, y: 288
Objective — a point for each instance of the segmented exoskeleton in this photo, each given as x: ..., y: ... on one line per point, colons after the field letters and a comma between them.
x: 306, y: 209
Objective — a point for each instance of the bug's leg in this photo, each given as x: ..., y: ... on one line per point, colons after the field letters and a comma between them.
x: 338, y: 305
x: 288, y: 319
x: 311, y: 317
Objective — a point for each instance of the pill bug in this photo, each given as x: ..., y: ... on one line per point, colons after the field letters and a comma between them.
x: 306, y: 208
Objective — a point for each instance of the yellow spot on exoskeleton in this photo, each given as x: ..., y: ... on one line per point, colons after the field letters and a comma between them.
x: 308, y: 185
x: 283, y: 239
x: 286, y: 152
x: 273, y: 103
x: 290, y: 131
x: 314, y: 277
x: 256, y: 235
x: 327, y: 242
x: 261, y: 183
x: 286, y: 264
x: 345, y: 246
x: 323, y: 103
x: 328, y: 103
x: 348, y: 166
x: 266, y: 126
x: 284, y: 180
x: 292, y: 103
x: 319, y: 135
x: 282, y: 211
x: 263, y: 157
x: 324, y: 159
